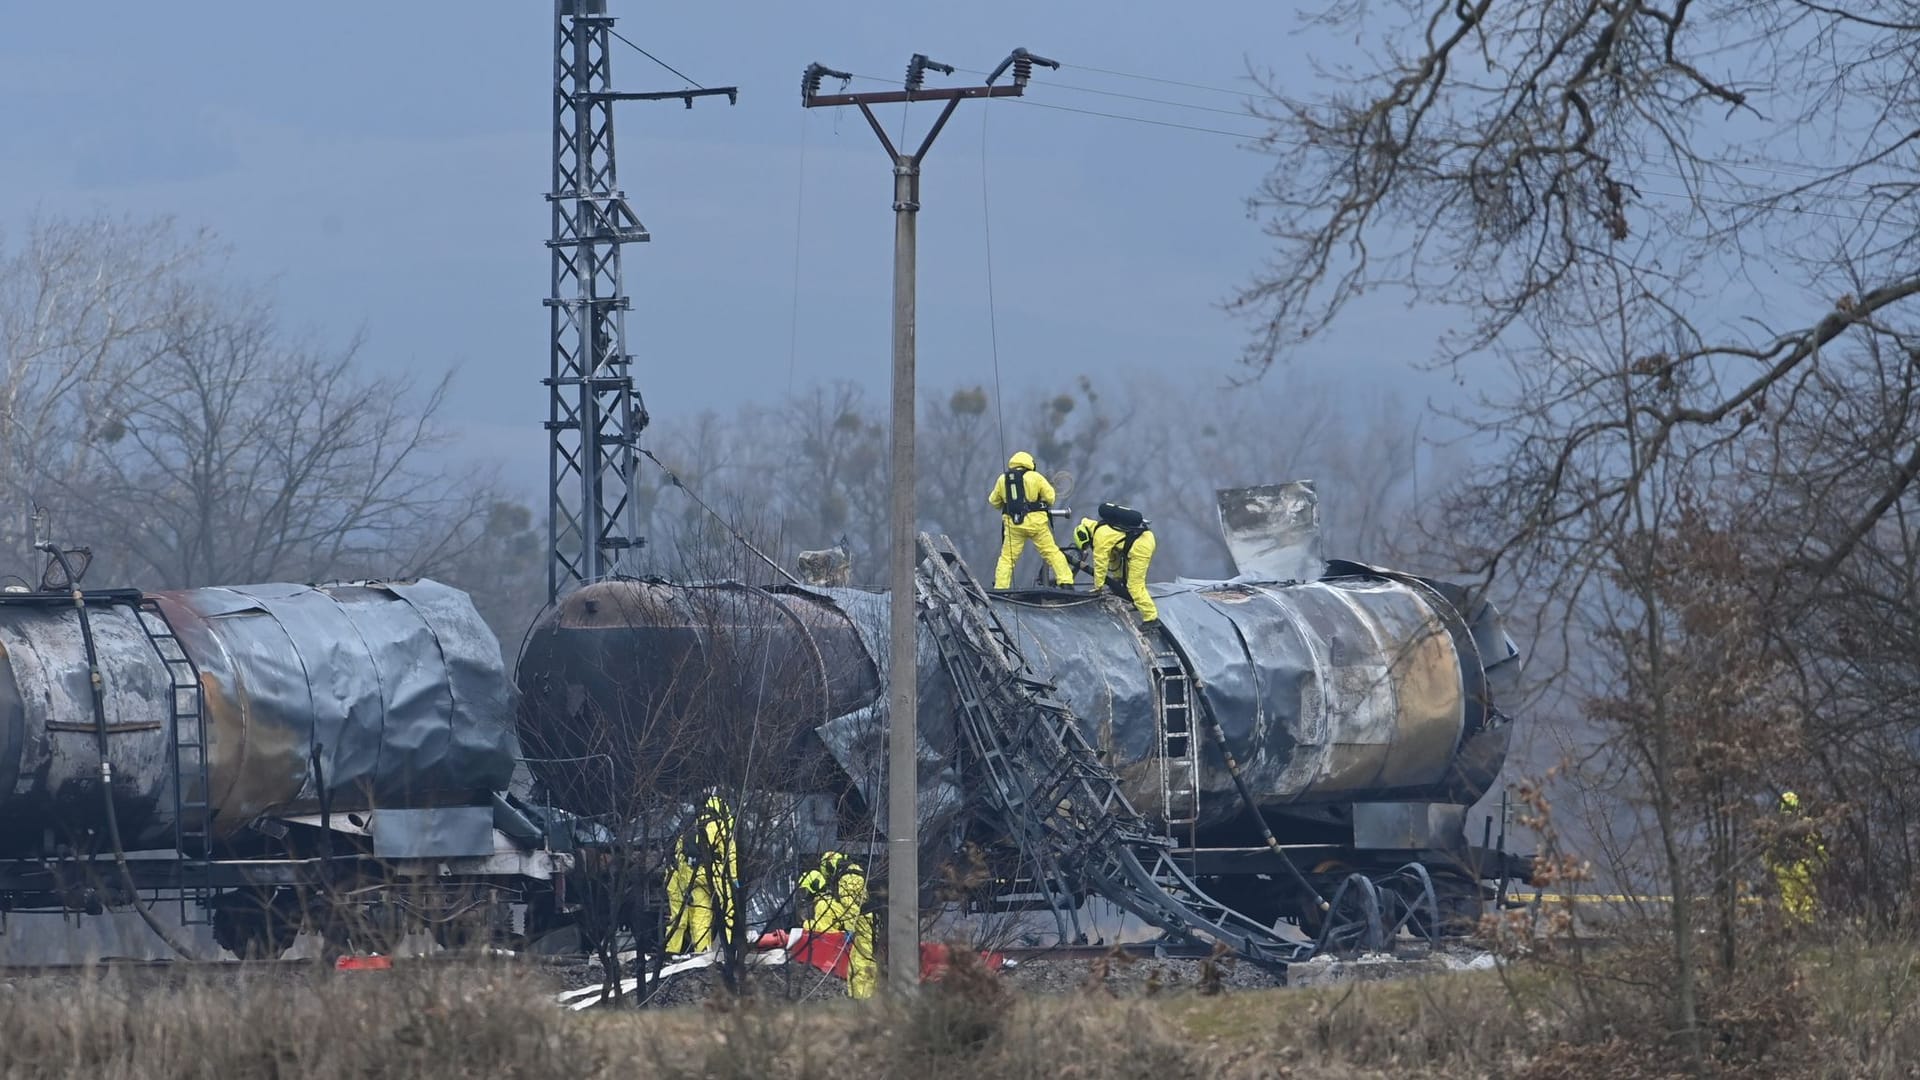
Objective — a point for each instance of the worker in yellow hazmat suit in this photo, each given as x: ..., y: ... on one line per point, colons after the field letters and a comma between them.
x: 1120, y: 557
x: 1793, y: 861
x: 702, y: 881
x: 838, y: 889
x: 1023, y: 497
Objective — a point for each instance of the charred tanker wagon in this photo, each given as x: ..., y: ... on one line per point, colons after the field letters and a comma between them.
x: 1361, y: 707
x: 276, y: 746
x: 1358, y: 708
x: 635, y: 689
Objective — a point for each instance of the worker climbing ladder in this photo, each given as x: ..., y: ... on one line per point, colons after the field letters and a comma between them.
x: 1063, y: 808
x: 192, y: 809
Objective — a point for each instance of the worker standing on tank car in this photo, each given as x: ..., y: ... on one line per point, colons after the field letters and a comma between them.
x: 1793, y: 859
x: 1121, y: 547
x: 703, y: 880
x: 1024, y: 497
x: 838, y: 889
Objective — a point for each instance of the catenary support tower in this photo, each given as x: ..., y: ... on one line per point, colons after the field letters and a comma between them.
x: 594, y: 413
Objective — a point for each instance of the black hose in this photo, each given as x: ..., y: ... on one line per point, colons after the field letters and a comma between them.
x: 1246, y: 796
x: 106, y: 765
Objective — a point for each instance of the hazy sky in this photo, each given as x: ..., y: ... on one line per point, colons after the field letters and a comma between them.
x: 383, y: 166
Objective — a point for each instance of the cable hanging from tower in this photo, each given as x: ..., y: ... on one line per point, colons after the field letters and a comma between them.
x: 674, y: 479
x: 993, y: 321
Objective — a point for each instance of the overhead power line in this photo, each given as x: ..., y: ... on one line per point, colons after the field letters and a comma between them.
x: 1141, y: 119
x: 1148, y: 100
x: 1158, y: 79
x: 1296, y: 103
x: 1267, y: 137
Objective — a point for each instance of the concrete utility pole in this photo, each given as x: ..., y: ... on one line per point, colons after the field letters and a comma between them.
x: 903, y: 787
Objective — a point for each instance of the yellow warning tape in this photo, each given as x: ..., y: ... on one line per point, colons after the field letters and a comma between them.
x: 1598, y: 898
x: 1608, y: 898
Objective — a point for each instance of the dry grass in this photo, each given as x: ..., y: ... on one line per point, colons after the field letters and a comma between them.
x: 442, y: 1022
x: 1843, y: 1011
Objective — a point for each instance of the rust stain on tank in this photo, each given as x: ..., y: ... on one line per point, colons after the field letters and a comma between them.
x: 226, y: 738
x: 1426, y: 672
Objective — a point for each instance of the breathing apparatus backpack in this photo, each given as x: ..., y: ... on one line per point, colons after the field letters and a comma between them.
x: 1130, y: 523
x: 1015, y: 504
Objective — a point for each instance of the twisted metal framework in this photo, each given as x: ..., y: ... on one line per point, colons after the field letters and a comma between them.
x: 1062, y: 807
x: 594, y: 414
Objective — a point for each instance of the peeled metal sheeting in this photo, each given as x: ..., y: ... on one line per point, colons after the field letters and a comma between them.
x: 1323, y: 690
x: 1272, y: 531
x: 857, y: 740
x: 397, y: 690
x: 1084, y: 646
x: 398, y: 687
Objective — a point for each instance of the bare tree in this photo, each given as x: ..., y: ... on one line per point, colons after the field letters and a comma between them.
x: 961, y: 452
x: 172, y: 424
x: 1498, y: 157
x: 237, y: 457
x: 834, y: 472
x: 84, y: 310
x: 716, y: 694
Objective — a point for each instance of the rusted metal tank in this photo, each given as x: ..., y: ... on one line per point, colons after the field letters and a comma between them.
x: 380, y: 694
x: 629, y: 687
x: 1364, y: 685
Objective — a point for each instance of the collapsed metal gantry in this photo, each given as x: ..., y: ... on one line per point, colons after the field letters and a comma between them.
x: 594, y: 413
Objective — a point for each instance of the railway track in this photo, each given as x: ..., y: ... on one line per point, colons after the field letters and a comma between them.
x: 1142, y: 950
x: 128, y: 963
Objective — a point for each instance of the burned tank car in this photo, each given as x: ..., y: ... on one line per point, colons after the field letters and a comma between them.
x: 351, y: 697
x: 1362, y: 706
x: 632, y: 690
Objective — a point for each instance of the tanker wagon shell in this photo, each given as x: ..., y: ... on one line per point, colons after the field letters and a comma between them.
x: 1365, y: 686
x: 355, y: 696
x: 1367, y: 689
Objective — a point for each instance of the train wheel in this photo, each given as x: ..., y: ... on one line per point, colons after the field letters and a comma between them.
x: 1461, y: 905
x: 1352, y: 924
x: 1326, y: 876
x: 1427, y: 905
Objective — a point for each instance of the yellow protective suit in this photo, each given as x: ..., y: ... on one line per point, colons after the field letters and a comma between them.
x: 1793, y: 867
x: 838, y: 889
x: 700, y: 883
x: 1035, y: 527
x: 1129, y: 580
x: 822, y: 911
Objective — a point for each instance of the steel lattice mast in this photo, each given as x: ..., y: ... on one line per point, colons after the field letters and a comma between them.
x: 594, y: 413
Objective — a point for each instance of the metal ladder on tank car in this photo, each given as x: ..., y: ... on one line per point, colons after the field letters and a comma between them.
x: 1062, y: 806
x: 187, y: 754
x: 1179, y: 750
